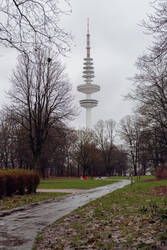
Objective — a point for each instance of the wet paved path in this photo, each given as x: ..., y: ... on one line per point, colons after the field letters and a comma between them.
x: 18, y: 229
x: 73, y: 191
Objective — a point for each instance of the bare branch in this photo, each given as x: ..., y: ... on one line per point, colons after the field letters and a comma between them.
x: 26, y: 25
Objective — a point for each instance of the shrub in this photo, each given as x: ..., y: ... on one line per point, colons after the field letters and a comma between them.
x: 18, y: 181
x: 30, y: 182
x: 11, y: 183
x: 161, y: 172
x: 21, y: 182
x: 2, y: 185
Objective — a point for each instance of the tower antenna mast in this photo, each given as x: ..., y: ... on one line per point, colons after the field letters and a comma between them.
x: 88, y: 87
x: 88, y: 24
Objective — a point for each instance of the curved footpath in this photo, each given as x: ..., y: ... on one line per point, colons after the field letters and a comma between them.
x: 19, y: 228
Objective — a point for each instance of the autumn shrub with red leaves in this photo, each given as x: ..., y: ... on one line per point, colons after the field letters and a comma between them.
x: 2, y: 185
x: 161, y: 172
x: 21, y: 182
x: 10, y: 183
x: 18, y: 181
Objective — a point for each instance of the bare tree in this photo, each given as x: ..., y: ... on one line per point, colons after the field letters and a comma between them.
x: 130, y: 132
x: 29, y: 24
x: 150, y: 88
x: 156, y: 25
x: 150, y: 93
x: 58, y: 151
x: 5, y: 143
x: 85, y: 150
x: 14, y: 150
x: 40, y: 98
x: 105, y: 136
x: 148, y: 135
x: 119, y: 161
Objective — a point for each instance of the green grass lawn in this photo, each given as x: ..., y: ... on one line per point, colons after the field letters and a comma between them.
x: 134, y: 217
x: 8, y: 203
x: 141, y: 178
x: 73, y: 183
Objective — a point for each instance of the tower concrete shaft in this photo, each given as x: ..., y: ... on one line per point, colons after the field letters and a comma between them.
x: 88, y: 87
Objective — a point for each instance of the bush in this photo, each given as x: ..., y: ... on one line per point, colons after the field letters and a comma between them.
x: 21, y: 183
x: 2, y: 185
x: 32, y: 182
x: 161, y: 172
x: 11, y: 183
x: 18, y: 181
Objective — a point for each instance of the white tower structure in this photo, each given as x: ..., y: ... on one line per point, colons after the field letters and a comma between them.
x: 88, y: 87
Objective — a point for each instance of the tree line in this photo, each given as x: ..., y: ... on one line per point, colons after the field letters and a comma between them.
x: 34, y: 127
x: 64, y: 152
x: 145, y: 131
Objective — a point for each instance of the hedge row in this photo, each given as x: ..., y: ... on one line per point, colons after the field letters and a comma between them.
x: 18, y: 182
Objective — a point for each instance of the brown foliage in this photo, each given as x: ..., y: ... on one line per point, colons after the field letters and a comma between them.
x: 161, y: 191
x: 18, y: 181
x: 10, y: 183
x: 2, y: 185
x: 161, y: 172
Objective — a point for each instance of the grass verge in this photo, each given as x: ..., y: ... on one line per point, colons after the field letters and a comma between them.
x: 73, y: 183
x: 20, y: 200
x: 135, y: 178
x: 134, y: 217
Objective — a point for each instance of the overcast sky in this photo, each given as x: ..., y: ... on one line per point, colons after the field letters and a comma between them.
x: 116, y: 42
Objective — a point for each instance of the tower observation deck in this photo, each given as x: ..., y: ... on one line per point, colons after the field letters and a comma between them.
x: 88, y: 87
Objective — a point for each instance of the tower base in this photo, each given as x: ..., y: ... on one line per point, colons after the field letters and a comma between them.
x: 88, y: 118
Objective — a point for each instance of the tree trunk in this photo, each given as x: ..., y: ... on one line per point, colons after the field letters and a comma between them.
x: 78, y: 170
x: 36, y: 163
x: 84, y: 172
x: 135, y: 169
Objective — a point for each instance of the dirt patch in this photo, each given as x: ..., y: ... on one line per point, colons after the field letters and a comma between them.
x: 150, y: 180
x: 160, y: 191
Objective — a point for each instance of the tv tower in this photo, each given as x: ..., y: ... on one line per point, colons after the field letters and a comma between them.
x: 88, y: 87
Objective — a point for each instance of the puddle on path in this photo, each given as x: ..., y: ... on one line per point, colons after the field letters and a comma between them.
x: 18, y: 230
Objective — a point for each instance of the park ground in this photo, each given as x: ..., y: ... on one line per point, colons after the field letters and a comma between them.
x: 134, y: 217
x: 16, y: 201
x: 75, y: 183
